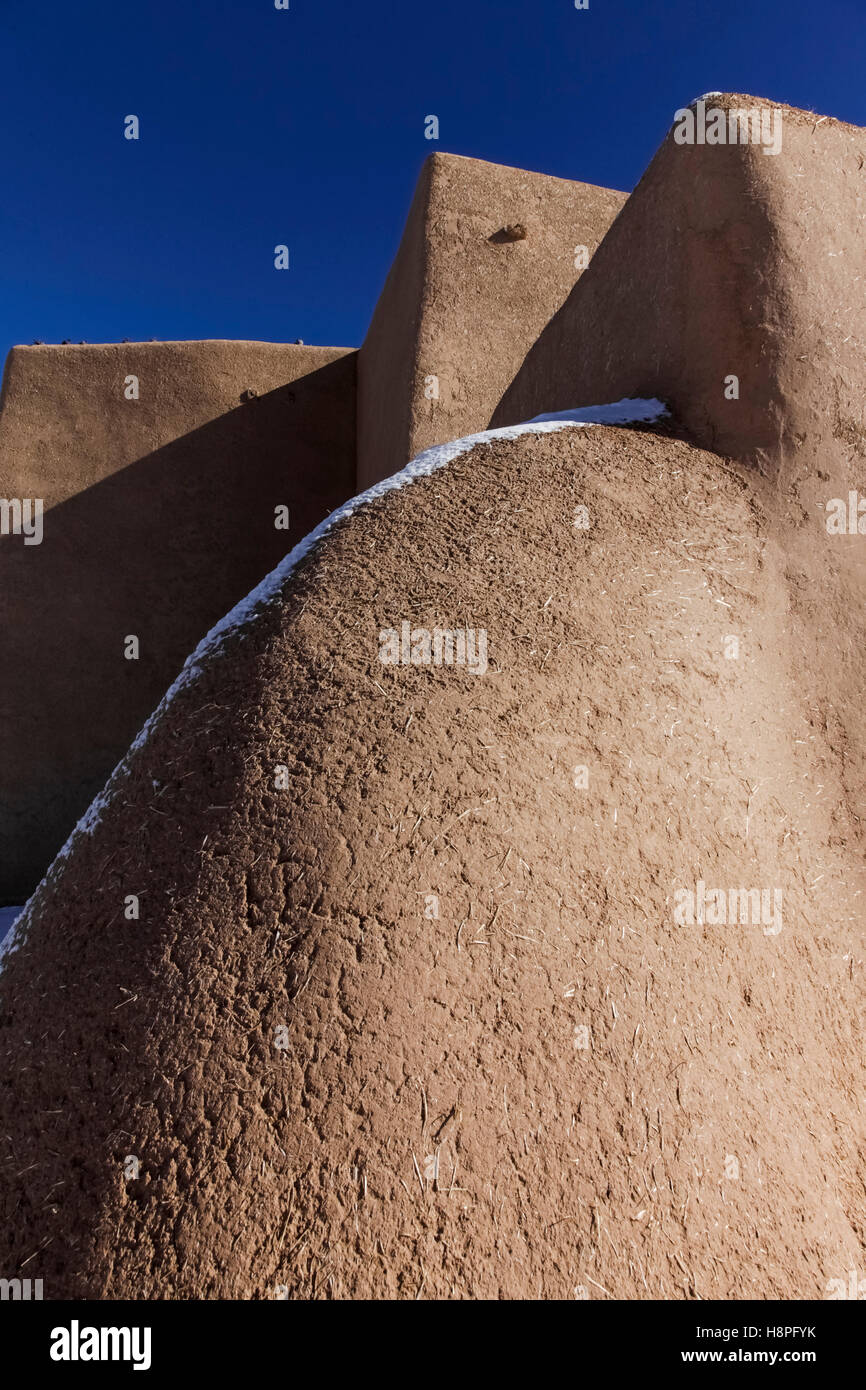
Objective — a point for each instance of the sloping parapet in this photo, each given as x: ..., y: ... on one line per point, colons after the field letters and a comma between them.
x: 159, y: 513
x: 488, y: 255
x: 728, y: 262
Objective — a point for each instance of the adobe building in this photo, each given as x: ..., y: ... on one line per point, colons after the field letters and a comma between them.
x: 728, y: 284
x: 488, y: 256
x: 349, y: 986
x: 729, y: 261
x: 160, y: 512
x: 349, y: 989
x: 161, y: 466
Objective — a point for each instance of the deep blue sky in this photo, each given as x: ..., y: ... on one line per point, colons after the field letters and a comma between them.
x: 306, y: 127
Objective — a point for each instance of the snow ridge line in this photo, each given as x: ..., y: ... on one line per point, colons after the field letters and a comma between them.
x: 625, y: 412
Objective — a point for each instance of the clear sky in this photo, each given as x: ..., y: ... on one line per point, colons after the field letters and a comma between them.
x: 305, y: 127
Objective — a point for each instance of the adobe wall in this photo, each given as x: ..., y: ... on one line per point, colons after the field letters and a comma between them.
x: 159, y: 512
x: 452, y: 1031
x: 727, y: 261
x: 463, y: 303
x: 159, y: 516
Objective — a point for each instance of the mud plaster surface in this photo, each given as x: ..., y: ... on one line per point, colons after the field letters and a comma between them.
x: 419, y: 1045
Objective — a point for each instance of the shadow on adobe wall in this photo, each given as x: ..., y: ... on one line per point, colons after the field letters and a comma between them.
x: 531, y: 391
x: 159, y: 550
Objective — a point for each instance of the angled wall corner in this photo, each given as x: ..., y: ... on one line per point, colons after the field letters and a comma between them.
x: 488, y: 255
x: 727, y: 261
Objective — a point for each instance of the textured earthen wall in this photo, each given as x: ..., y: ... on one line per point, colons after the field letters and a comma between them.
x: 159, y: 515
x: 463, y: 302
x: 726, y: 261
x: 536, y: 1087
x: 421, y: 1021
